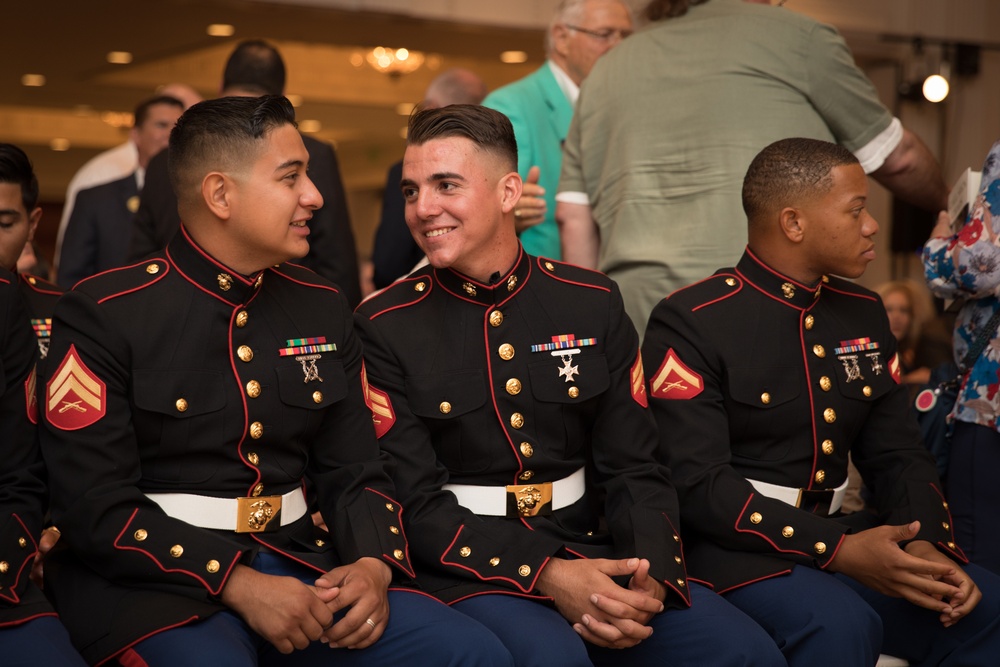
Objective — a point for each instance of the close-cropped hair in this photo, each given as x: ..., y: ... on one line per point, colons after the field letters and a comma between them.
x: 222, y: 135
x: 255, y: 66
x: 657, y: 10
x: 488, y: 129
x: 789, y: 171
x: 142, y: 110
x: 15, y: 167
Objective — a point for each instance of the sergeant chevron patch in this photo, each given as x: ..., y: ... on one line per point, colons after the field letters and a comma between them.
x: 676, y: 381
x: 75, y: 396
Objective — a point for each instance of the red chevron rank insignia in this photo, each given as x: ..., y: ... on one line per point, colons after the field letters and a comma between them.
x: 676, y: 381
x: 378, y: 402
x: 894, y: 368
x: 639, y: 383
x: 30, y: 401
x: 74, y: 397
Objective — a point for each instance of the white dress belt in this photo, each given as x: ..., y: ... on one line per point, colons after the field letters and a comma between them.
x: 794, y: 496
x: 493, y: 500
x: 230, y: 513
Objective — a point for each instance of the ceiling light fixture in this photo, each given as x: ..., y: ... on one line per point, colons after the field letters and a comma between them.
x: 394, y: 62
x: 221, y: 30
x: 310, y: 126
x: 119, y: 57
x: 513, y: 57
x: 59, y: 144
x: 33, y: 80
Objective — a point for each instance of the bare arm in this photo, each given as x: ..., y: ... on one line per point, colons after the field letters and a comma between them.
x: 581, y: 240
x: 911, y: 173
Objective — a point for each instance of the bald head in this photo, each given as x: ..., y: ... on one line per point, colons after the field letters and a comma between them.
x: 455, y: 86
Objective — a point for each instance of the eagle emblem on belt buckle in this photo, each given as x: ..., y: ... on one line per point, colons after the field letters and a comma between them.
x: 530, y: 499
x: 255, y: 515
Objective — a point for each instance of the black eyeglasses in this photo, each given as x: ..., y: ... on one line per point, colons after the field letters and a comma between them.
x: 603, y: 35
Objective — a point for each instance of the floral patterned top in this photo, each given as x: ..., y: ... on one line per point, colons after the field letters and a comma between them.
x: 966, y: 266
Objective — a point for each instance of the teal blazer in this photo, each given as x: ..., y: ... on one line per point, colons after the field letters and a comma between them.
x: 540, y: 114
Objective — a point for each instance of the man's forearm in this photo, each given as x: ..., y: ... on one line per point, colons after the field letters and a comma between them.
x: 578, y: 234
x: 911, y: 173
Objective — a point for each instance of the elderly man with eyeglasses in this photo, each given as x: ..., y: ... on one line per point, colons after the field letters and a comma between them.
x: 540, y: 107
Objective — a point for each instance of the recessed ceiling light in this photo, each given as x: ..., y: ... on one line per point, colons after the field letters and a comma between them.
x: 405, y: 108
x: 33, y: 80
x: 296, y: 100
x: 221, y: 30
x: 59, y: 144
x: 310, y: 126
x: 119, y: 57
x: 357, y: 59
x: 513, y: 57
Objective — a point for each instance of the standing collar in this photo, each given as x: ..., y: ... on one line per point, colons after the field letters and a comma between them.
x: 468, y: 289
x: 776, y: 285
x: 213, y: 277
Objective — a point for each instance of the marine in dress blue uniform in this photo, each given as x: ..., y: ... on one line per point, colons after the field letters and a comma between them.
x: 514, y: 406
x: 187, y: 402
x: 762, y: 383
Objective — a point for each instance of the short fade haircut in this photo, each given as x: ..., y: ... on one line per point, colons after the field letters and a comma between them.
x: 788, y: 171
x: 15, y: 167
x: 488, y: 129
x: 142, y: 110
x: 222, y: 135
x: 255, y: 66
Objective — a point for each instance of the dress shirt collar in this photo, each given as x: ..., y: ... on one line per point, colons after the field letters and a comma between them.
x: 211, y: 276
x: 775, y: 285
x: 493, y: 294
x: 566, y: 84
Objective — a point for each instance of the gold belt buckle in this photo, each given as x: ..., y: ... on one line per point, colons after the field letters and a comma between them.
x: 529, y: 499
x: 258, y: 515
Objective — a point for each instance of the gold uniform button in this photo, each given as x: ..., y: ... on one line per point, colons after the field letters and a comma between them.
x: 867, y: 391
x: 810, y: 321
x: 257, y: 490
x: 681, y: 583
x: 320, y: 543
x: 820, y: 476
x: 394, y: 530
x: 765, y: 398
x: 420, y: 287
x: 819, y: 351
x: 677, y: 559
x: 465, y: 552
x: 787, y: 531
x: 756, y: 517
x: 253, y: 389
x: 944, y: 504
x: 21, y: 542
x: 241, y: 318
x: 517, y: 420
x: 4, y: 566
x: 731, y: 282
x: 177, y: 551
x: 140, y: 535
x: 828, y: 447
x: 573, y: 392
x: 494, y: 561
x: 506, y: 351
x: 830, y: 415
x: 526, y: 475
x: 820, y: 547
x: 677, y: 538
x: 181, y: 405
x: 253, y: 458
x: 951, y: 545
x: 527, y: 449
x: 496, y: 318
x: 244, y: 353
x: 524, y: 570
x: 256, y: 430
x: 944, y: 524
x: 550, y: 266
x: 513, y: 386
x: 398, y: 554
x: 212, y: 566
x: 317, y: 397
x: 825, y: 384
x: 152, y: 269
x: 445, y: 407
x: 390, y: 507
